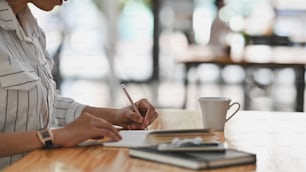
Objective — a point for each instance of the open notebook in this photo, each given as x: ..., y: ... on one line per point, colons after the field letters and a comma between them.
x: 136, y: 138
x: 130, y: 138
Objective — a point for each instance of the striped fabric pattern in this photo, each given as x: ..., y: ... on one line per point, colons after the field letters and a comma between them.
x: 28, y: 98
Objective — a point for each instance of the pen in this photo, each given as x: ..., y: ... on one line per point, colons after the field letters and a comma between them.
x: 130, y: 100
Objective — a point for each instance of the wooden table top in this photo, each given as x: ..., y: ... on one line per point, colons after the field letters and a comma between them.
x: 277, y: 138
x: 252, y: 56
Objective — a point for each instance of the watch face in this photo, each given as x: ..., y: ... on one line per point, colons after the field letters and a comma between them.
x: 45, y: 134
x: 46, y: 137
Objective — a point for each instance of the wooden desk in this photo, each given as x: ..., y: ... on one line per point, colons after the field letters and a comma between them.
x: 274, y: 58
x: 277, y: 138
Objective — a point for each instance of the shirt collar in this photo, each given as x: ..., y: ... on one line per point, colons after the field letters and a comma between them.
x: 8, y: 21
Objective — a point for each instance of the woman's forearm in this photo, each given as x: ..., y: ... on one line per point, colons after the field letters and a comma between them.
x: 107, y: 114
x: 14, y: 143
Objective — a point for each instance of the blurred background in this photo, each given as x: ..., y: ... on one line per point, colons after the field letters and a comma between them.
x: 98, y: 44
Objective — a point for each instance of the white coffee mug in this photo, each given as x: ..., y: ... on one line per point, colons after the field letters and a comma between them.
x: 214, y: 111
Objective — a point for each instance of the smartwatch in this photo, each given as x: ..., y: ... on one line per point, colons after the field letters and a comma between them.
x: 46, y: 137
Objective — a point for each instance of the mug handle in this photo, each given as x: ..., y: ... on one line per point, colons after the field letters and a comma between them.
x: 230, y: 106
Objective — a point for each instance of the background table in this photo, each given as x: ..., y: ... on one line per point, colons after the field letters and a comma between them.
x: 277, y: 138
x: 272, y: 58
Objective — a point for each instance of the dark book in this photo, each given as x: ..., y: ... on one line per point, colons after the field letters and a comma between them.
x: 194, y: 160
x: 205, y: 146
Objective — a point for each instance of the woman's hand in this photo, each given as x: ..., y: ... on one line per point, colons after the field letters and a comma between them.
x: 85, y: 127
x: 128, y: 118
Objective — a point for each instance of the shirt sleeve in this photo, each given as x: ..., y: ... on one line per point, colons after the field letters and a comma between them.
x: 66, y: 110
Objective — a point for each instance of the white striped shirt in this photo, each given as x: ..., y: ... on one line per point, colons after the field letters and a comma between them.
x: 28, y: 99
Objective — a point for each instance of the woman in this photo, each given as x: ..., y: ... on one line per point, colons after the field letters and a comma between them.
x: 29, y: 105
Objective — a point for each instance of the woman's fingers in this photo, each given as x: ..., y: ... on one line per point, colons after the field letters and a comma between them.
x: 135, y: 117
x: 150, y: 117
x: 108, y: 133
x: 133, y: 126
x: 104, y: 128
x: 148, y: 111
x: 134, y: 120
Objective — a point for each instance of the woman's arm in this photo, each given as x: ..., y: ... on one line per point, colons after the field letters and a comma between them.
x: 13, y: 143
x: 85, y: 127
